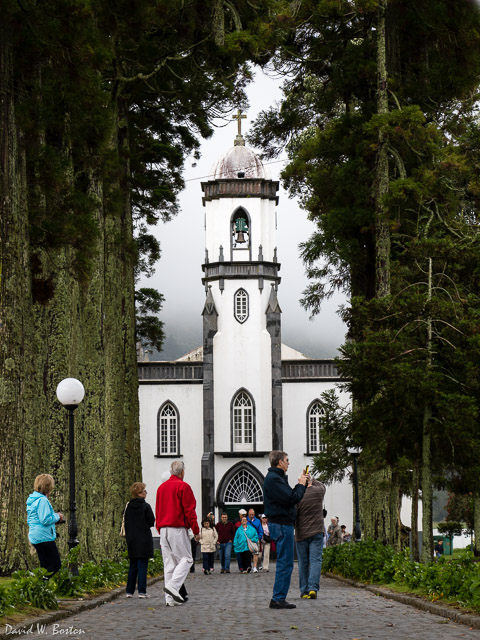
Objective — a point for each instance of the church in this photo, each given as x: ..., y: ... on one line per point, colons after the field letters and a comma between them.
x: 224, y: 406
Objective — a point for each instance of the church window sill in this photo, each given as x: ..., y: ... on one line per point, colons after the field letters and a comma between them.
x: 169, y: 455
x: 242, y: 454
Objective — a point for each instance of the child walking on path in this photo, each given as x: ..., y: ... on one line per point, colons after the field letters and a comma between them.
x: 208, y: 541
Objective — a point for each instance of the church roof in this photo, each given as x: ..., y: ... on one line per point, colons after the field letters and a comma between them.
x: 239, y: 159
x: 196, y: 355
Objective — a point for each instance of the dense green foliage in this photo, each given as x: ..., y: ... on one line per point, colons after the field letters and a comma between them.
x: 148, y: 303
x: 360, y: 113
x: 460, y: 508
x: 29, y: 588
x: 455, y: 579
x: 367, y: 561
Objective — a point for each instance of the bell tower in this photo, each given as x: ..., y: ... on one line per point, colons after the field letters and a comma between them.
x: 242, y: 384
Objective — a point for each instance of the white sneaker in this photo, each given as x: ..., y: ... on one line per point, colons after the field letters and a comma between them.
x: 173, y: 604
x: 173, y: 592
x: 129, y: 595
x: 254, y: 570
x: 144, y: 595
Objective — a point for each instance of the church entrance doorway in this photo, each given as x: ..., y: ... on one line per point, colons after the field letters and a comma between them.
x: 241, y: 488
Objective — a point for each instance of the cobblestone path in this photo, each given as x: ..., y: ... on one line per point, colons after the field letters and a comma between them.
x: 233, y: 606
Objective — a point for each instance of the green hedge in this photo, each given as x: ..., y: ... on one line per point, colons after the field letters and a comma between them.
x: 31, y: 588
x: 457, y: 579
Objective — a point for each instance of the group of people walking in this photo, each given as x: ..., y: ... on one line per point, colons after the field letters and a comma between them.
x: 248, y: 536
x: 292, y: 515
x: 336, y: 534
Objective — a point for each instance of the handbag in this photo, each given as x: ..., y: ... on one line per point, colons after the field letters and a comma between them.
x: 122, y: 527
x: 252, y: 546
x: 266, y: 538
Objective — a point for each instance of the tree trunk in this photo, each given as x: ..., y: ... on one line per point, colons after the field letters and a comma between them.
x: 381, y: 184
x: 414, y: 518
x: 15, y: 364
x: 81, y: 329
x: 381, y: 510
x: 427, y: 486
x: 476, y: 524
x: 122, y: 446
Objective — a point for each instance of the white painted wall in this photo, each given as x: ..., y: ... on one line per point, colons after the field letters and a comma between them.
x: 188, y: 398
x: 218, y: 229
x: 297, y: 397
x: 242, y: 358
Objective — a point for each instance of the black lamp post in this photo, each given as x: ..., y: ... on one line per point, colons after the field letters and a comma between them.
x: 355, y: 452
x: 70, y: 393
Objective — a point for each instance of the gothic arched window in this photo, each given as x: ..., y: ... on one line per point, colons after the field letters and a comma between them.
x: 240, y: 305
x: 243, y: 422
x: 168, y: 441
x: 243, y: 488
x: 315, y: 424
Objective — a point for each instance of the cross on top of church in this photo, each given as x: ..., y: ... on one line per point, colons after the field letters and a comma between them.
x: 239, y: 117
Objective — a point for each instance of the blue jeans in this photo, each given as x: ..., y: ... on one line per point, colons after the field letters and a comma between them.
x: 309, y: 555
x: 225, y: 554
x: 138, y: 568
x: 282, y: 534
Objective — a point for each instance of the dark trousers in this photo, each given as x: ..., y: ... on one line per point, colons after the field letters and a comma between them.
x: 193, y: 545
x: 138, y: 569
x: 245, y: 559
x: 48, y: 556
x: 208, y: 559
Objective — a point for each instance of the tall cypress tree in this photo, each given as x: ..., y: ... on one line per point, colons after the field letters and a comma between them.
x: 375, y: 92
x: 100, y: 107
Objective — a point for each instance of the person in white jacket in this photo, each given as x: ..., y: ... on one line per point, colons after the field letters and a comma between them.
x: 208, y: 541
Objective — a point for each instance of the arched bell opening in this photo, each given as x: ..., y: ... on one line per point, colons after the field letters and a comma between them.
x: 241, y: 234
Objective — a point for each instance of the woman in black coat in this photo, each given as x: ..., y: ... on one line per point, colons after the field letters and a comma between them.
x: 138, y: 520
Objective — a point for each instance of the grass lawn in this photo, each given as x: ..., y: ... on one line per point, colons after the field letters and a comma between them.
x: 450, y: 602
x: 5, y: 582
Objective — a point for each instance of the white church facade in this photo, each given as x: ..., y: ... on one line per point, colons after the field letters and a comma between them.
x: 223, y: 407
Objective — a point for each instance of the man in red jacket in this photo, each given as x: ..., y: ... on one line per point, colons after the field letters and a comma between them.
x: 174, y: 516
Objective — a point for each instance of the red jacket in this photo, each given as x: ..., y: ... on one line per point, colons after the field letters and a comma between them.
x: 175, y: 505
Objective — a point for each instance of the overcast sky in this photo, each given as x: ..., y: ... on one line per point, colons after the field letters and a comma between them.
x: 178, y: 273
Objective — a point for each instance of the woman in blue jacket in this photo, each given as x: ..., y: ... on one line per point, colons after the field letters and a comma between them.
x: 240, y: 543
x: 41, y: 519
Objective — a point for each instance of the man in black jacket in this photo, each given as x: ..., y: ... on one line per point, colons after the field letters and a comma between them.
x: 280, y: 500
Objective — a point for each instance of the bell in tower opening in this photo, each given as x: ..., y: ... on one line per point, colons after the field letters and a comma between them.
x: 240, y: 231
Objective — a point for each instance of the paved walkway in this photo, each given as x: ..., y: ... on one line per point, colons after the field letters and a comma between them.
x: 236, y: 606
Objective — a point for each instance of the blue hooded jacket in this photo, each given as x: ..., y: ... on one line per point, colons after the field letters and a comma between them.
x: 41, y: 518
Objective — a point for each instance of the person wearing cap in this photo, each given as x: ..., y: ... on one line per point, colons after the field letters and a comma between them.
x: 241, y: 514
x: 280, y: 500
x: 255, y: 522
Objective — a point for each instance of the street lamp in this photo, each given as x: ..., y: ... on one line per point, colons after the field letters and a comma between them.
x: 70, y: 393
x: 355, y: 452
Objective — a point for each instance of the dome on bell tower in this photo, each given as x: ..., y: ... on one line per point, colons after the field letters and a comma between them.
x: 239, y: 162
